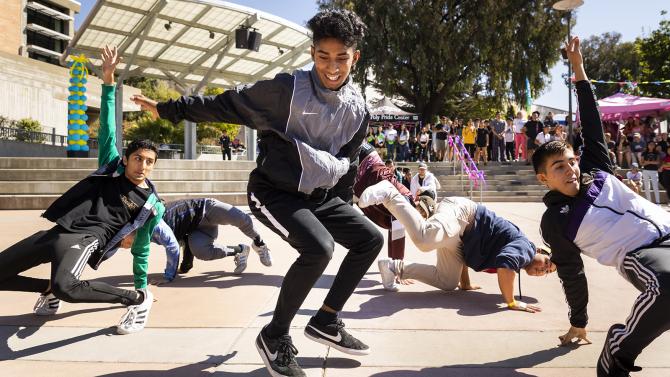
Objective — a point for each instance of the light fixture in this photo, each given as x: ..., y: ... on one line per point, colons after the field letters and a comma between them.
x: 211, y: 34
x: 168, y: 26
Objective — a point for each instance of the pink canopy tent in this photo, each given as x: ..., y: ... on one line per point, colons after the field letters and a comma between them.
x: 622, y: 106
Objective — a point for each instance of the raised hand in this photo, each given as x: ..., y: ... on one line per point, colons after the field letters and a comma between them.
x: 147, y: 104
x: 110, y: 59
x: 575, y: 58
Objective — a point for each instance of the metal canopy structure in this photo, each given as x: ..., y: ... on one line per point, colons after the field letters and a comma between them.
x: 191, y: 43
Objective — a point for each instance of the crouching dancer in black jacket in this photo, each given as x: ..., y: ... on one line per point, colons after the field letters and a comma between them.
x: 312, y: 125
x: 591, y: 212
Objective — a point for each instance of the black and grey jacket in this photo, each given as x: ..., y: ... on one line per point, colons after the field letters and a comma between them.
x: 606, y: 220
x: 309, y: 135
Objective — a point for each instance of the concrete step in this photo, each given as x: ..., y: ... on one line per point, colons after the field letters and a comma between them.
x: 492, y: 177
x: 43, y: 201
x: 59, y: 187
x: 487, y: 192
x: 92, y: 164
x: 156, y: 175
x: 493, y: 187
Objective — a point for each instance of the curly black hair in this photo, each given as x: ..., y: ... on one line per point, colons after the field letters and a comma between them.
x: 341, y: 24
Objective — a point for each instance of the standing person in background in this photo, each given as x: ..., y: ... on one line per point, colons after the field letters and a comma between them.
x: 532, y: 128
x: 651, y: 160
x: 403, y: 146
x: 370, y: 138
x: 482, y: 142
x: 508, y: 135
x: 424, y: 141
x: 519, y: 138
x: 498, y: 139
x: 391, y: 136
x: 549, y: 121
x: 442, y: 130
x: 380, y: 142
x: 469, y: 135
x: 665, y: 173
x: 224, y: 142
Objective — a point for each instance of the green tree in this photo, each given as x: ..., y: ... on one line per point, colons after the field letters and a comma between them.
x: 607, y: 58
x: 654, y: 60
x: 30, y: 131
x: 436, y: 52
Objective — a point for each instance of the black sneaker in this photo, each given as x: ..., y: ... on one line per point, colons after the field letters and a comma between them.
x: 278, y: 355
x: 334, y: 335
x: 610, y: 366
x: 187, y: 260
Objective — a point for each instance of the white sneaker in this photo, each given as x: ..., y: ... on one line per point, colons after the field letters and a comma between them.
x: 137, y: 316
x: 241, y: 260
x: 46, y: 305
x: 388, y: 275
x: 263, y: 254
x: 376, y: 194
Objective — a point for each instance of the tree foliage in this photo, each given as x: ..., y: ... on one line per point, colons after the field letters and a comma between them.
x: 655, y: 60
x: 607, y: 58
x: 436, y: 52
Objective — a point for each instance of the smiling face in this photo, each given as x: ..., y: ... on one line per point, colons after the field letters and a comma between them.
x: 560, y: 172
x: 333, y: 61
x: 540, y: 266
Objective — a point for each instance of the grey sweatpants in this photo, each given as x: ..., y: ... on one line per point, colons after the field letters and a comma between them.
x: 442, y: 231
x: 202, y: 240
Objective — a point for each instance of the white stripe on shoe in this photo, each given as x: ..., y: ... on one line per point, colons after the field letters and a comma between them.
x: 268, y: 215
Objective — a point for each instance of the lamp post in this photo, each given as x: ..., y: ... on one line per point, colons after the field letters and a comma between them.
x: 568, y: 6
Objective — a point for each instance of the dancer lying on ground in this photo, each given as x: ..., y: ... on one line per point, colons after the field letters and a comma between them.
x: 312, y: 125
x: 91, y: 220
x: 195, y: 224
x: 590, y: 211
x: 465, y: 234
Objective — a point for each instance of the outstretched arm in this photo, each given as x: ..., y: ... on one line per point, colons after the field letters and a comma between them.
x: 506, y: 283
x: 595, y: 155
x: 163, y: 235
x: 107, y: 132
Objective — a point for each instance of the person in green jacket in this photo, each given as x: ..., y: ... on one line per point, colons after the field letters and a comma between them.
x: 91, y: 219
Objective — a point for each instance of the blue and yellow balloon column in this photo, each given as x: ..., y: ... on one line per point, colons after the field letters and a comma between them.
x: 77, y: 129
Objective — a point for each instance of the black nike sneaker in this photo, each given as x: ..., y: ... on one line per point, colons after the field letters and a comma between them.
x: 334, y: 335
x: 279, y: 355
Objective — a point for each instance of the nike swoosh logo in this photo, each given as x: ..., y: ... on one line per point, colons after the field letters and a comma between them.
x: 304, y: 113
x: 271, y: 356
x: 335, y: 339
x: 75, y: 247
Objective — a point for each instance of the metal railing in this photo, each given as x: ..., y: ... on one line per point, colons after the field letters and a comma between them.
x: 17, y: 134
x: 468, y: 166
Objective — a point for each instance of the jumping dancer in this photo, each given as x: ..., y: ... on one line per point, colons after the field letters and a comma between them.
x: 312, y: 125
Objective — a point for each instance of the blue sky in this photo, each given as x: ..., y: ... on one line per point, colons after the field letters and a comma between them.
x: 630, y: 18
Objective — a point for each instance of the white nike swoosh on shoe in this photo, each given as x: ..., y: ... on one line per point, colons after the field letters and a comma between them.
x: 75, y: 247
x: 304, y: 113
x: 271, y: 356
x: 335, y: 339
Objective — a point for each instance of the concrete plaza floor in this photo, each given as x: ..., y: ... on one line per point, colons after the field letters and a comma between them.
x: 205, y: 322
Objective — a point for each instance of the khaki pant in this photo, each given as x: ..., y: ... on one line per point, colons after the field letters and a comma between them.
x: 442, y: 231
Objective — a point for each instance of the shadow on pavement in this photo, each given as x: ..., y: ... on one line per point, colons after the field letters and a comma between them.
x: 502, y: 368
x: 470, y: 303
x: 222, y: 280
x: 199, y: 369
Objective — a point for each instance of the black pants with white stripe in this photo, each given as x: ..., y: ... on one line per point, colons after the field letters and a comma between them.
x: 649, y: 271
x: 68, y: 254
x: 313, y: 229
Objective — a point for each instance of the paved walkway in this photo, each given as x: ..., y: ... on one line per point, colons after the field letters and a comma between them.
x: 204, y: 323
